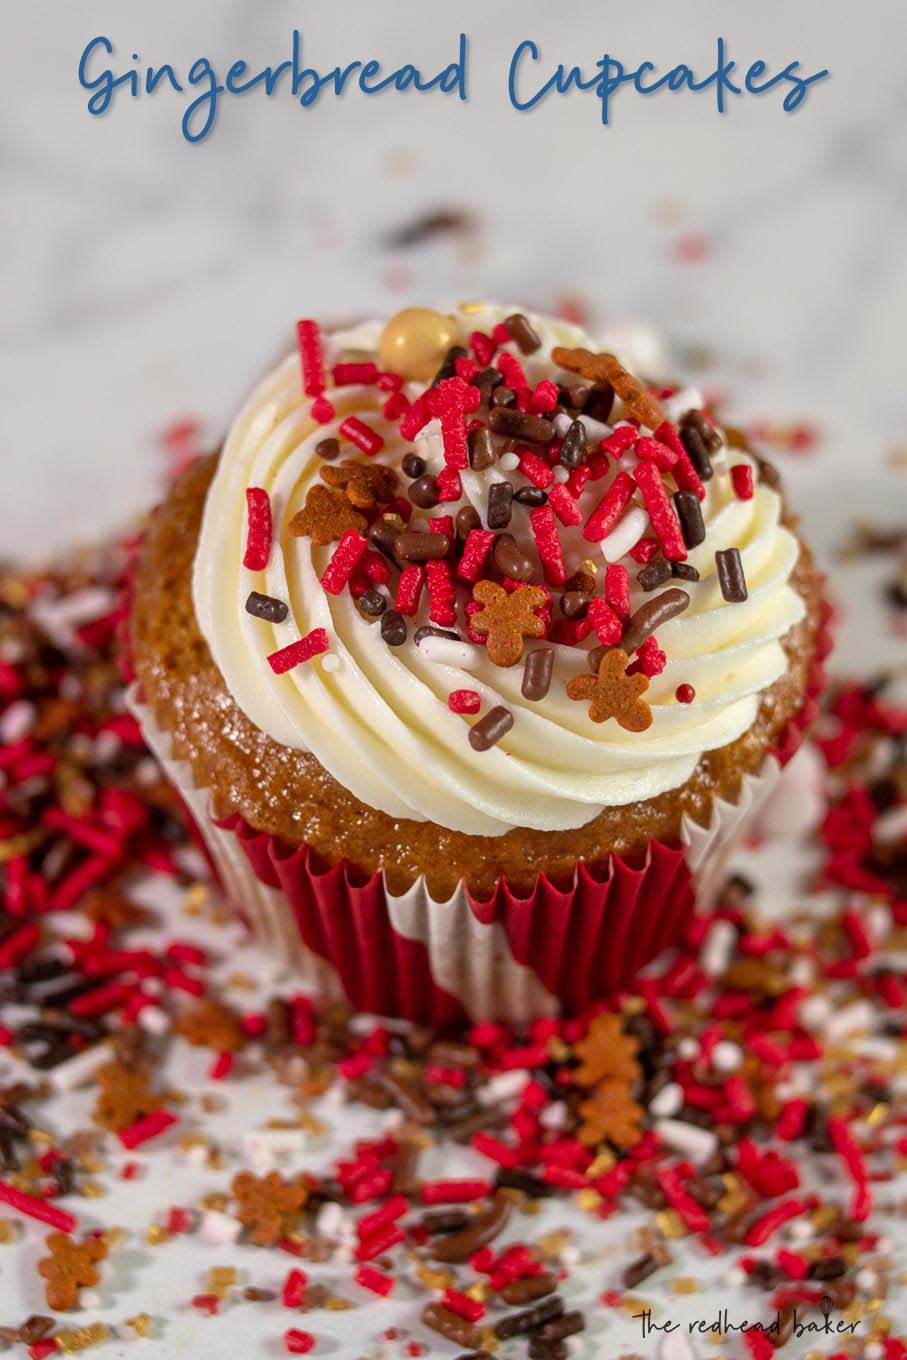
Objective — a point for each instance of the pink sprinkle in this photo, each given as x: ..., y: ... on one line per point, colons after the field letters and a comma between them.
x: 258, y: 540
x: 463, y: 701
x: 544, y: 398
x: 366, y: 439
x: 313, y: 644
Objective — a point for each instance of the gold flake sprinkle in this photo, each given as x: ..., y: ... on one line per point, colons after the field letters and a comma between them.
x: 140, y: 1324
x: 8, y: 1231
x: 73, y: 1339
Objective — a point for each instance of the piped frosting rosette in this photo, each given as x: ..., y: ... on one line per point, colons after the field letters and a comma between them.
x: 381, y: 717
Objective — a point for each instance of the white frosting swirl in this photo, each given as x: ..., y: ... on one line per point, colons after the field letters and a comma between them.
x: 377, y: 717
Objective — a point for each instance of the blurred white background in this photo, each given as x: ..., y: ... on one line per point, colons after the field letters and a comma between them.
x: 145, y: 279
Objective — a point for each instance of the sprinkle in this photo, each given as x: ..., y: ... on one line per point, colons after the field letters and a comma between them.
x: 730, y: 575
x: 523, y: 333
x: 471, y: 1309
x: 266, y: 607
x: 689, y: 512
x: 684, y: 694
x: 664, y: 521
x: 313, y: 644
x: 328, y: 449
x: 622, y: 439
x: 294, y: 1286
x: 683, y: 471
x: 605, y: 516
x: 369, y: 1277
x: 650, y: 659
x: 455, y: 1191
x: 537, y: 470
x: 393, y: 628
x: 366, y: 439
x: 564, y: 506
x: 60, y: 1219
x: 742, y: 479
x: 651, y: 615
x: 349, y: 375
x: 486, y: 733
x: 605, y: 622
x: 441, y: 594
x: 628, y: 532
x: 617, y: 589
x: 463, y: 701
x: 500, y: 505
x: 548, y: 544
x: 296, y: 1342
x: 654, y: 575
x: 478, y: 545
x: 409, y: 590
x: 515, y: 424
x: 653, y: 451
x: 447, y: 652
x: 308, y: 337
x: 322, y: 410
x: 537, y: 671
x: 258, y: 540
x: 343, y: 560
x: 768, y: 1223
x: 143, y: 1130
x: 450, y: 401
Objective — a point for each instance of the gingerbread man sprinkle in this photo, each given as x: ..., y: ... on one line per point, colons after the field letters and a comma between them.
x: 606, y: 1052
x: 506, y: 619
x: 614, y: 694
x: 365, y: 484
x: 125, y: 1097
x: 607, y: 368
x: 70, y: 1267
x: 610, y: 1113
x: 265, y: 1203
x: 326, y: 516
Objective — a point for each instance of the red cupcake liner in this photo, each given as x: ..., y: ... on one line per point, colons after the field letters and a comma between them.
x: 511, y: 956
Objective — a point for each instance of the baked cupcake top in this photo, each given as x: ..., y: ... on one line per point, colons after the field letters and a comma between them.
x: 486, y: 575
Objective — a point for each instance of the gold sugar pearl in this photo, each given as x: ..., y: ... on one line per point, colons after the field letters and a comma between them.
x: 415, y: 341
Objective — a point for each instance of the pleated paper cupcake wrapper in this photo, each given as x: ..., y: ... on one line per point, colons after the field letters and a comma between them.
x: 511, y: 957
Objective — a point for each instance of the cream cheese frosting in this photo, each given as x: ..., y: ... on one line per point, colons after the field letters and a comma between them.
x: 377, y: 717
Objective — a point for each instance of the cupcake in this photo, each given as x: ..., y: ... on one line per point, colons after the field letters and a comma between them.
x: 472, y: 653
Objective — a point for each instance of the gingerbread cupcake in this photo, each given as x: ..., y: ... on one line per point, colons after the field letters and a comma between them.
x: 472, y: 653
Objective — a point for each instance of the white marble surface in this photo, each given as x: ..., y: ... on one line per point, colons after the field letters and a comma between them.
x: 143, y: 278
